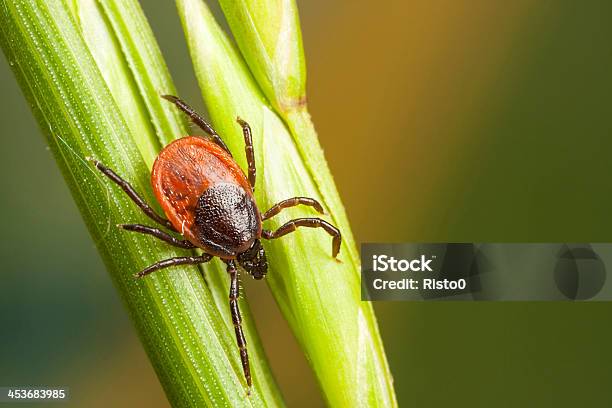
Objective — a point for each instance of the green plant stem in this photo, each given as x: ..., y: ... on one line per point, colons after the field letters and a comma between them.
x: 77, y: 95
x: 319, y: 297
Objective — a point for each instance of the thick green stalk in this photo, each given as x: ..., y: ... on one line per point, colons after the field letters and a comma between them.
x: 269, y: 36
x: 92, y: 74
x: 319, y: 297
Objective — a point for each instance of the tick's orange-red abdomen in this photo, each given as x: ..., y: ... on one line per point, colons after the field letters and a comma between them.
x: 186, y: 168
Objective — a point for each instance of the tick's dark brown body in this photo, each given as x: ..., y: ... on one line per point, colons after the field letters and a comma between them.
x: 207, y: 198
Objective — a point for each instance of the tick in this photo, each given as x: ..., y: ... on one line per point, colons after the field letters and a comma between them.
x: 208, y: 199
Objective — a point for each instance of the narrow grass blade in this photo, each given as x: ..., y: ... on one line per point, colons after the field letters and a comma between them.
x: 92, y: 74
x: 269, y: 36
x: 319, y: 297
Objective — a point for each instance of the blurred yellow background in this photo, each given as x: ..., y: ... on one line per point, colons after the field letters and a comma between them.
x: 442, y: 120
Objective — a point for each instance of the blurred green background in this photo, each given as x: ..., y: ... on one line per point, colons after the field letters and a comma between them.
x: 442, y: 120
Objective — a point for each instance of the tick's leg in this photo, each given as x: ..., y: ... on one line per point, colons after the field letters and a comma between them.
x: 157, y: 233
x: 310, y: 223
x: 198, y: 120
x: 183, y: 260
x: 129, y: 190
x: 237, y: 320
x: 292, y: 202
x: 248, y: 149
